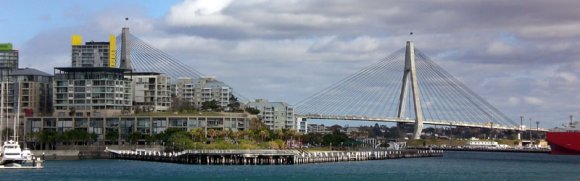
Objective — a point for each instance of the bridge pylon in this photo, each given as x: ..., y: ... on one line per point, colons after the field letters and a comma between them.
x: 410, y: 75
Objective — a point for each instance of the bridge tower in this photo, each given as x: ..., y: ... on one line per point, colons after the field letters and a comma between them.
x: 410, y: 75
x: 125, y: 58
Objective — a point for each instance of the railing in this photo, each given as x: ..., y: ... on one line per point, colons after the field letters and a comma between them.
x: 430, y: 122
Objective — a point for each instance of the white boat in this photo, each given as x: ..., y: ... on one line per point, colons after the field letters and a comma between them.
x: 11, y: 153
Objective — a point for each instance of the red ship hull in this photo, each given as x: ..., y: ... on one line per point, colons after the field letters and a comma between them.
x: 564, y: 143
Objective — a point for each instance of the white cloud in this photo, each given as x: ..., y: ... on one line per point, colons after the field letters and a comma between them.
x: 199, y: 13
x: 534, y: 100
x: 568, y: 77
x: 289, y: 49
x: 514, y: 101
x: 562, y: 30
x: 499, y: 48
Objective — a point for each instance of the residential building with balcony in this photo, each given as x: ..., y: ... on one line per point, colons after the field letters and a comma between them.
x: 275, y: 115
x: 151, y: 91
x: 91, y: 91
x: 205, y: 89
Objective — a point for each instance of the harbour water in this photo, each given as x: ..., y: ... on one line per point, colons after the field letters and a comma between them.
x: 452, y: 166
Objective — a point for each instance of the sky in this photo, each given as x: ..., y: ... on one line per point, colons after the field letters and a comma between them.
x: 521, y: 56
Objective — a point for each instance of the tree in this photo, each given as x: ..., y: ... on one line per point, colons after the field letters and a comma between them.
x: 196, y: 133
x: 335, y: 138
x: 164, y: 136
x: 377, y: 130
x: 180, y: 141
x: 335, y: 128
x: 252, y: 110
x: 134, y: 137
x: 256, y: 124
x: 279, y: 133
x: 212, y: 133
x: 264, y: 134
x: 112, y: 135
x: 180, y: 105
x: 234, y: 105
x: 212, y: 105
x: 313, y: 138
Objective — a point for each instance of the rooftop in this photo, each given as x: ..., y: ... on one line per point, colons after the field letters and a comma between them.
x: 30, y: 71
x: 92, y: 69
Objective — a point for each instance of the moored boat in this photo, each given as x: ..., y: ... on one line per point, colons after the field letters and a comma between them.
x: 565, y: 141
x: 11, y: 153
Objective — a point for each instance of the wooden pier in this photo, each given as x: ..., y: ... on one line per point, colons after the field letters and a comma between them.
x: 267, y: 157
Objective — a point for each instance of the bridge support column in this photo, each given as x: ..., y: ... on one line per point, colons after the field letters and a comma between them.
x: 411, y: 71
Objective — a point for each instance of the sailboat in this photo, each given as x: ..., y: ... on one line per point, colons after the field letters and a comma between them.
x: 11, y: 151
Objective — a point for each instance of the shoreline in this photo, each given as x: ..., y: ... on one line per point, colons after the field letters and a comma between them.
x: 544, y: 151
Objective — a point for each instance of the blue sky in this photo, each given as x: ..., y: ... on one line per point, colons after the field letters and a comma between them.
x: 22, y: 20
x: 521, y: 57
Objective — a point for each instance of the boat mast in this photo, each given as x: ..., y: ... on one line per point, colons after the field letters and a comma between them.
x: 17, y: 119
x: 2, y: 92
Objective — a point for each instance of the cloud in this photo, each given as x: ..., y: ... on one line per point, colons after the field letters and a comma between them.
x: 200, y: 13
x: 520, y: 57
x: 534, y: 100
x: 514, y: 101
x: 499, y: 48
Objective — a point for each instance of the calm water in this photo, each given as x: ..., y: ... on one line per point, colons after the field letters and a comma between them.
x: 453, y: 166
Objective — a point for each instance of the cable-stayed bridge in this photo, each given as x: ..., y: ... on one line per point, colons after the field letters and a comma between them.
x: 142, y: 57
x: 405, y: 87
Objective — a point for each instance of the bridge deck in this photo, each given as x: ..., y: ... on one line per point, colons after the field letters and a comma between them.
x: 430, y: 122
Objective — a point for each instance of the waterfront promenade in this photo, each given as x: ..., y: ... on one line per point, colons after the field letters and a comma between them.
x: 266, y: 157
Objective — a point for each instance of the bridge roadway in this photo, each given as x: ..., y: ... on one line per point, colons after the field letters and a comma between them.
x: 431, y: 122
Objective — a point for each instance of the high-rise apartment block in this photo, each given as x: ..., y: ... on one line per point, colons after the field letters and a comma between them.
x: 34, y: 89
x: 205, y: 89
x: 92, y: 86
x: 151, y: 91
x: 93, y: 54
x: 8, y: 60
x: 91, y: 91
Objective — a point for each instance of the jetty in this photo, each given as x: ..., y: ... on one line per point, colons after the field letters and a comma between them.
x: 512, y: 150
x: 266, y: 157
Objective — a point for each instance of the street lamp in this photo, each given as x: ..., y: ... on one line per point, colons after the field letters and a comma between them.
x: 530, y: 129
x: 538, y: 129
x: 521, y: 122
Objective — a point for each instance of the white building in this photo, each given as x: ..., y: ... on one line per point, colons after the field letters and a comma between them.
x: 205, y: 89
x: 152, y: 91
x: 276, y: 115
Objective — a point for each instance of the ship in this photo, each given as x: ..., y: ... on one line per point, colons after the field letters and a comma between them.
x: 565, y: 141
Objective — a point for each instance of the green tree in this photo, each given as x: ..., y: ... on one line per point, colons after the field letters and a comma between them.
x: 112, y: 136
x: 335, y: 138
x: 252, y: 110
x: 279, y: 133
x: 234, y: 105
x: 264, y: 134
x: 212, y: 105
x: 180, y: 141
x: 212, y: 133
x: 134, y: 137
x: 197, y: 134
